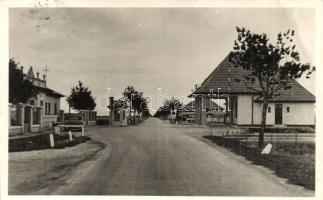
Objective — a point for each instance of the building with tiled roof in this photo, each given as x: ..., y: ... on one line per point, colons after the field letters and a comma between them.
x: 40, y: 111
x: 294, y: 106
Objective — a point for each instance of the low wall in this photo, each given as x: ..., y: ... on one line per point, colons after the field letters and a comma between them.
x: 47, y: 121
x: 92, y: 123
x: 35, y: 128
x: 15, y: 130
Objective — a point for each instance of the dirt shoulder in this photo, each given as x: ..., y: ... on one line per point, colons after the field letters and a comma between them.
x: 32, y: 171
x: 270, y: 172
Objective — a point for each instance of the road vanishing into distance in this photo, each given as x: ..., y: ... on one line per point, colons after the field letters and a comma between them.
x: 158, y: 158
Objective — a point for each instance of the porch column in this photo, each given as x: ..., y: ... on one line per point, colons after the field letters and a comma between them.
x: 228, y: 110
x: 200, y: 109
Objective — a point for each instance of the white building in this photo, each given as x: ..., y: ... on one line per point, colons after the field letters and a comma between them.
x: 295, y: 106
x: 39, y: 112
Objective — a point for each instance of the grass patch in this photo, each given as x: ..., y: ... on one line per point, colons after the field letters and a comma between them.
x: 295, y: 162
x: 42, y: 142
x: 283, y: 130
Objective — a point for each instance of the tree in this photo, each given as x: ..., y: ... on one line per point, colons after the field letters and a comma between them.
x: 270, y: 67
x: 20, y: 88
x: 138, y: 102
x: 81, y: 98
x: 168, y: 106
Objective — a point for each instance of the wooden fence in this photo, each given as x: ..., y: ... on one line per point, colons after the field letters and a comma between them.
x: 271, y: 137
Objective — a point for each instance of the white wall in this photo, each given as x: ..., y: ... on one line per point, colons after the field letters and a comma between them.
x: 300, y: 113
x: 244, y: 109
x: 52, y: 100
x: 270, y: 119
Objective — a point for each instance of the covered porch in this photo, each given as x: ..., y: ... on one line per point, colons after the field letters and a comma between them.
x: 229, y: 101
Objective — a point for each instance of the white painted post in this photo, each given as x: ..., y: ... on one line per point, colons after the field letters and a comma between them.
x: 83, y: 131
x: 70, y: 135
x: 51, y: 140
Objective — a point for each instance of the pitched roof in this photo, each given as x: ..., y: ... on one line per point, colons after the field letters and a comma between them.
x: 49, y: 92
x: 224, y: 75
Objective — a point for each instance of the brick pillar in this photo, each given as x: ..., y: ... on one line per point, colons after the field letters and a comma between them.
x: 30, y: 122
x: 9, y: 116
x: 61, y: 116
x: 40, y: 115
x: 111, y: 114
x: 21, y: 116
x: 86, y: 117
x: 94, y: 115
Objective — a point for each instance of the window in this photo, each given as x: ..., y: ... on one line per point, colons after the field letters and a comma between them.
x: 47, y: 108
x: 55, y: 109
x: 287, y: 109
x: 31, y: 102
x: 269, y: 109
x: 41, y: 103
x: 36, y: 116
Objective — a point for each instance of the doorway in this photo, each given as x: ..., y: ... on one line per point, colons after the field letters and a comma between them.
x: 278, y: 114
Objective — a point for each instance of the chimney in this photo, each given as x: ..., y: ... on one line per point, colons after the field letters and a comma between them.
x: 37, y: 75
x: 44, y: 77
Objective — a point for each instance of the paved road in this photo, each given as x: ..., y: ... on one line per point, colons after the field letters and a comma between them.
x: 155, y: 158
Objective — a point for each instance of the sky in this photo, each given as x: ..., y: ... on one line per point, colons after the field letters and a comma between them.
x: 149, y: 48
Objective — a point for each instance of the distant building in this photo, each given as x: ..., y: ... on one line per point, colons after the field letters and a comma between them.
x: 213, y: 112
x: 243, y: 107
x: 119, y: 113
x: 39, y: 112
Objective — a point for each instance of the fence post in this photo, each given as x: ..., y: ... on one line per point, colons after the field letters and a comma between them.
x: 51, y: 140
x: 70, y: 135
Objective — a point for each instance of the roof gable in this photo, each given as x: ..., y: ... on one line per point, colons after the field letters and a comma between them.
x: 224, y: 75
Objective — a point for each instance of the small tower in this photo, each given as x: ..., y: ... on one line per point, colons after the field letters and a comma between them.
x: 30, y: 73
